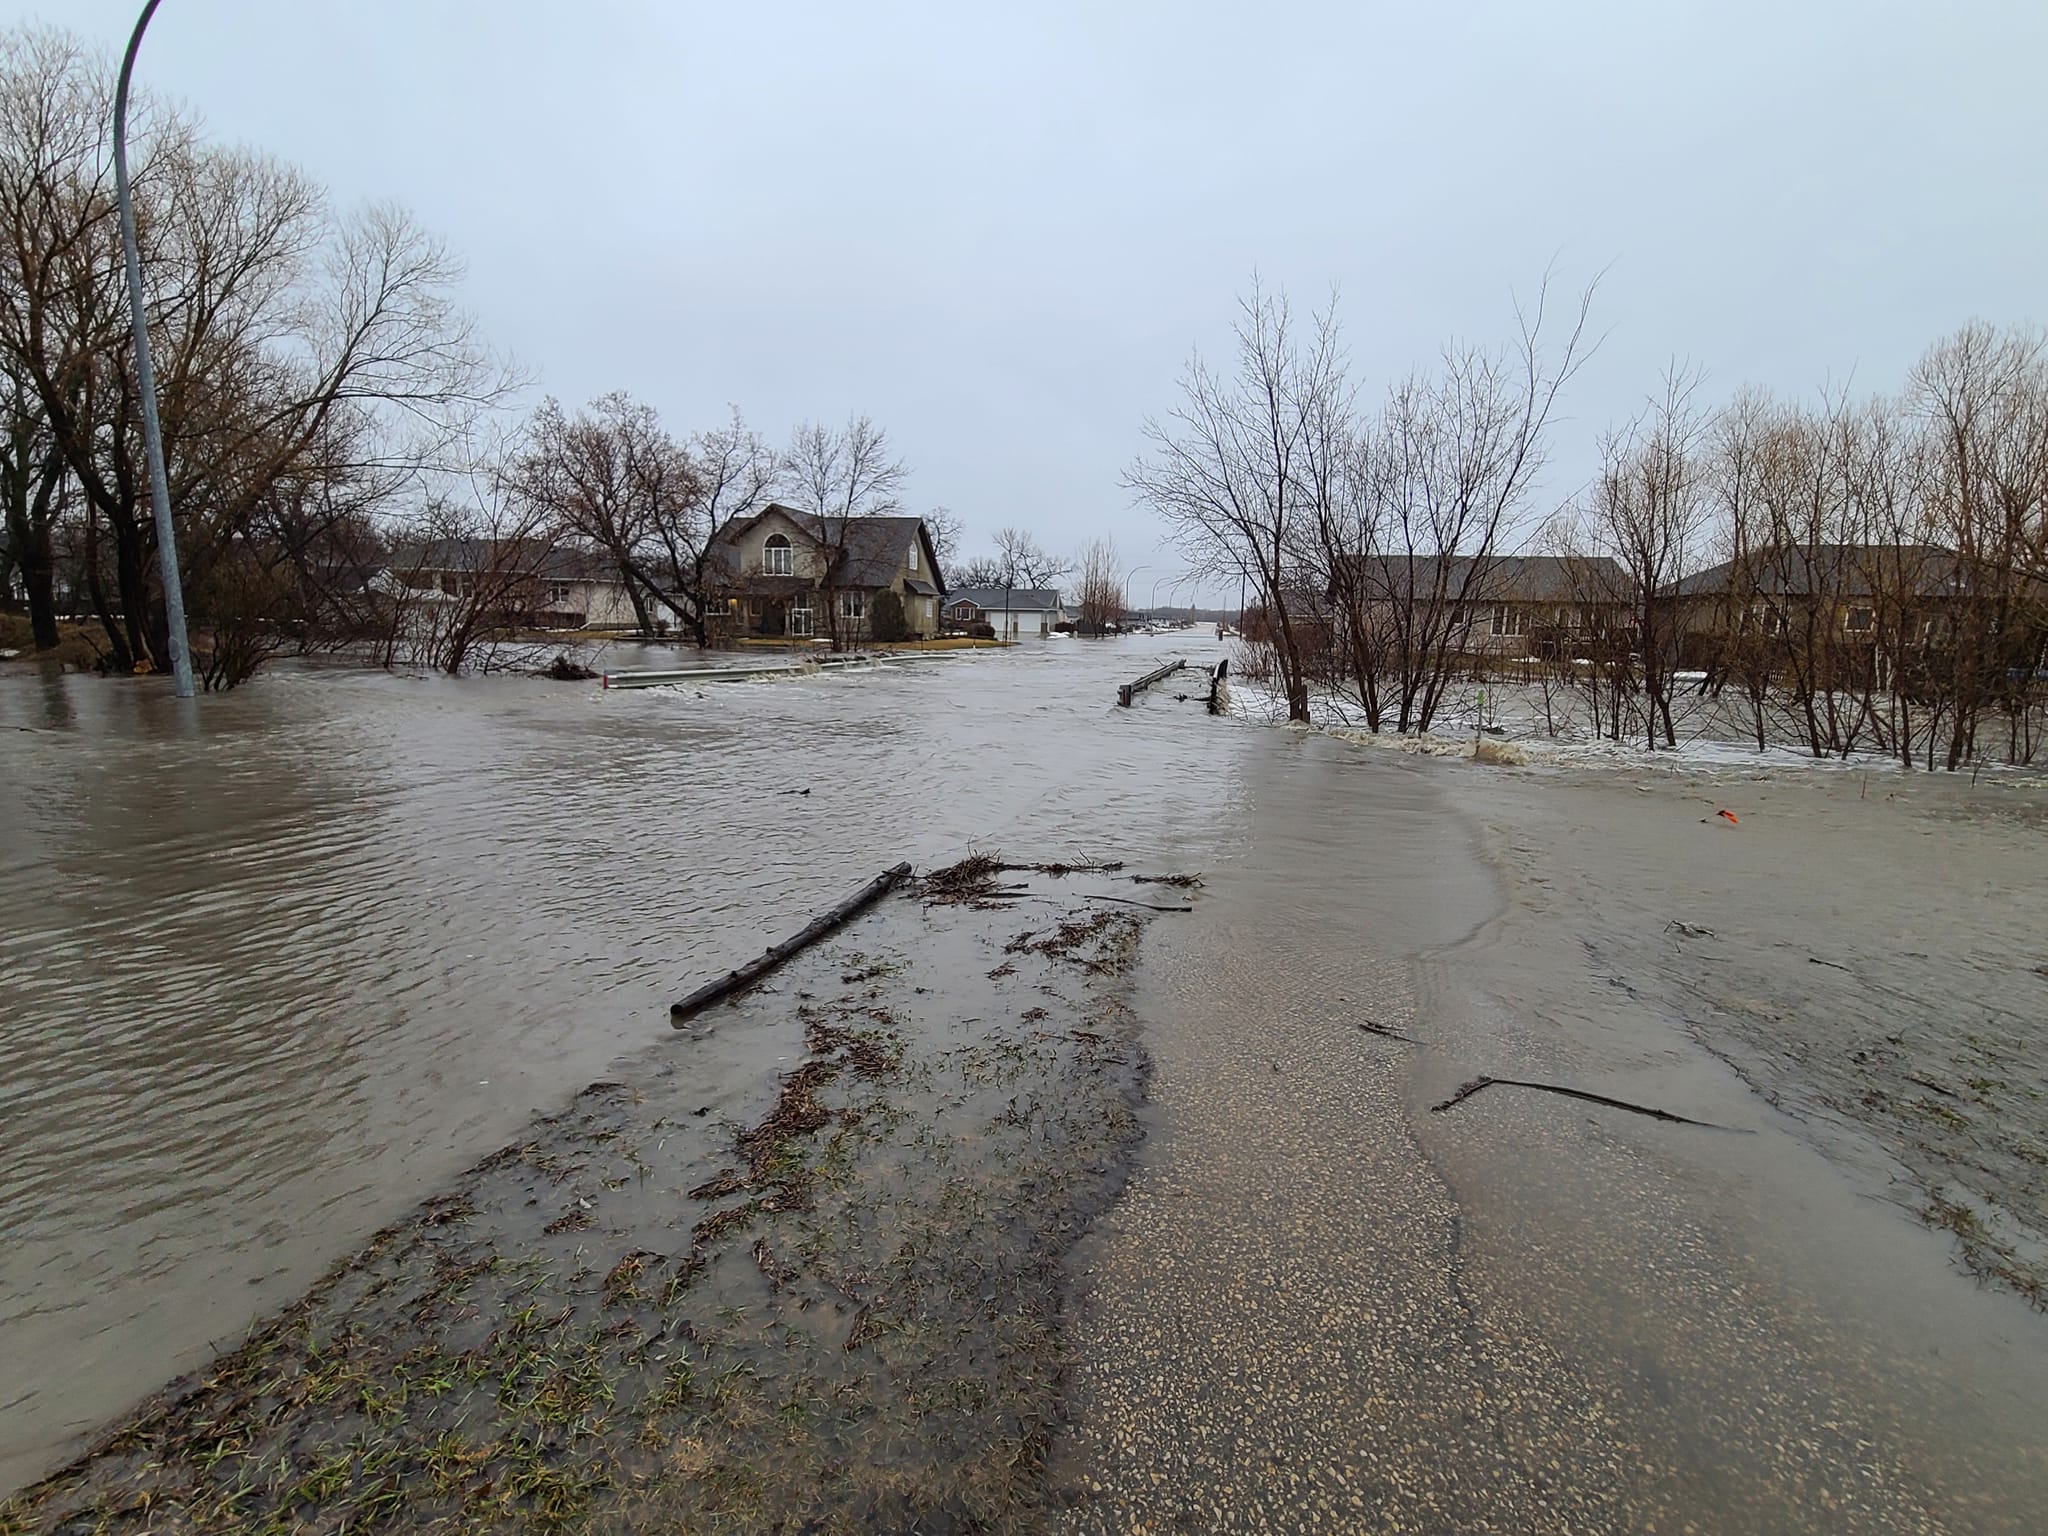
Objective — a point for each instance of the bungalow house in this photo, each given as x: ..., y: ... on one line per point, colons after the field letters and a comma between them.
x: 783, y: 572
x: 1013, y: 612
x: 1506, y: 605
x: 1839, y: 588
x: 1863, y: 605
x: 530, y: 583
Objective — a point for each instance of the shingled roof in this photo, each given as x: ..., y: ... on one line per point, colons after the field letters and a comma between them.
x: 1844, y: 570
x: 1010, y: 599
x: 1503, y: 578
x: 871, y: 548
x: 541, y: 558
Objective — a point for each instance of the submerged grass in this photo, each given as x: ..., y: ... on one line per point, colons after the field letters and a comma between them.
x: 841, y: 1315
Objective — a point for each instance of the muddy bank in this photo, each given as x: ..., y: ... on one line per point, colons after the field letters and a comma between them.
x: 827, y: 1298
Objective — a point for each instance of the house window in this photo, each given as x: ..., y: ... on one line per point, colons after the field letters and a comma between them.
x: 450, y: 586
x: 1509, y: 619
x: 558, y: 594
x: 913, y: 554
x: 777, y: 558
x: 852, y: 605
x: 801, y: 620
x: 1860, y: 621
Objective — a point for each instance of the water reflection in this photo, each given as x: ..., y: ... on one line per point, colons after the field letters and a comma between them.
x: 271, y: 968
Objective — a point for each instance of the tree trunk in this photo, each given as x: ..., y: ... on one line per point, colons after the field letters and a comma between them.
x: 148, y: 635
x: 641, y: 616
x: 38, y: 575
x: 118, y: 651
x: 33, y: 558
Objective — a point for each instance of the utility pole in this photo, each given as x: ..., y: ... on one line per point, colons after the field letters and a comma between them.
x: 145, y: 379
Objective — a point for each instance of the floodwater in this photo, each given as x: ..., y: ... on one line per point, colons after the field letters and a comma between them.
x: 273, y: 968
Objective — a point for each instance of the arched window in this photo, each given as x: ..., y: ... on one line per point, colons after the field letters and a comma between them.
x: 777, y: 559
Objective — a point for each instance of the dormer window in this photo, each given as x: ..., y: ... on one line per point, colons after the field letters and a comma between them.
x: 777, y: 558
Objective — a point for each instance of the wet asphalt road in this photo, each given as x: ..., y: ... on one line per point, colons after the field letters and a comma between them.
x: 1294, y: 1322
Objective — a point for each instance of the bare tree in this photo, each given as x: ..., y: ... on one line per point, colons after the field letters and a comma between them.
x: 35, y: 494
x: 943, y: 526
x: 981, y: 571
x: 1102, y: 603
x: 467, y: 572
x: 1737, y: 643
x: 612, y: 476
x: 733, y: 470
x: 1225, y: 471
x: 845, y: 475
x: 1982, y: 397
x: 1025, y: 563
x: 1648, y: 509
x: 289, y: 341
x: 1436, y: 481
x: 1020, y: 562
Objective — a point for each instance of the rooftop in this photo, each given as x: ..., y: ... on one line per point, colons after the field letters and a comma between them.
x: 871, y: 548
x: 1847, y: 570
x: 1008, y: 599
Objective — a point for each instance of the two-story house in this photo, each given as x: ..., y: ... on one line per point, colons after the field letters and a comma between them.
x: 787, y: 573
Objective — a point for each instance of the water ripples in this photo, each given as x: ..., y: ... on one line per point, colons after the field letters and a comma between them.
x: 266, y: 977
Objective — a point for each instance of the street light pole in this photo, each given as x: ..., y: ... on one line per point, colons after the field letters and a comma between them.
x: 145, y: 379
x: 1129, y: 577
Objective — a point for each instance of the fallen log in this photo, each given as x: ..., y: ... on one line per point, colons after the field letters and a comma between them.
x: 816, y: 929
x: 1466, y: 1090
x: 1128, y: 691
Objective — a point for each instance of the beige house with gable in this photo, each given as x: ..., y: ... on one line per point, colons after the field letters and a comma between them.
x: 784, y: 573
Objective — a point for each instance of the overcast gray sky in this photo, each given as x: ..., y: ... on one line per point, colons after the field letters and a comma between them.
x: 1000, y: 230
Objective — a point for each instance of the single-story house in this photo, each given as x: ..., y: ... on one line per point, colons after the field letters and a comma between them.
x: 1013, y: 612
x: 1508, y: 605
x: 1840, y: 588
x: 784, y: 572
x: 532, y: 583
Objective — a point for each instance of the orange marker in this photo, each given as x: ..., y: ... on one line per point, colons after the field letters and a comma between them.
x: 1731, y: 816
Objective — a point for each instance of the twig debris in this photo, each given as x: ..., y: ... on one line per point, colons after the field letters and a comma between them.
x: 1466, y: 1090
x: 1127, y: 902
x: 1371, y: 1027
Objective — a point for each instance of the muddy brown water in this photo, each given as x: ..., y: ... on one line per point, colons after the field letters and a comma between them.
x: 274, y: 968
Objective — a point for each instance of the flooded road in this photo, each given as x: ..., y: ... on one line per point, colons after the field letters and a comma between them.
x: 270, y: 974
x: 269, y: 979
